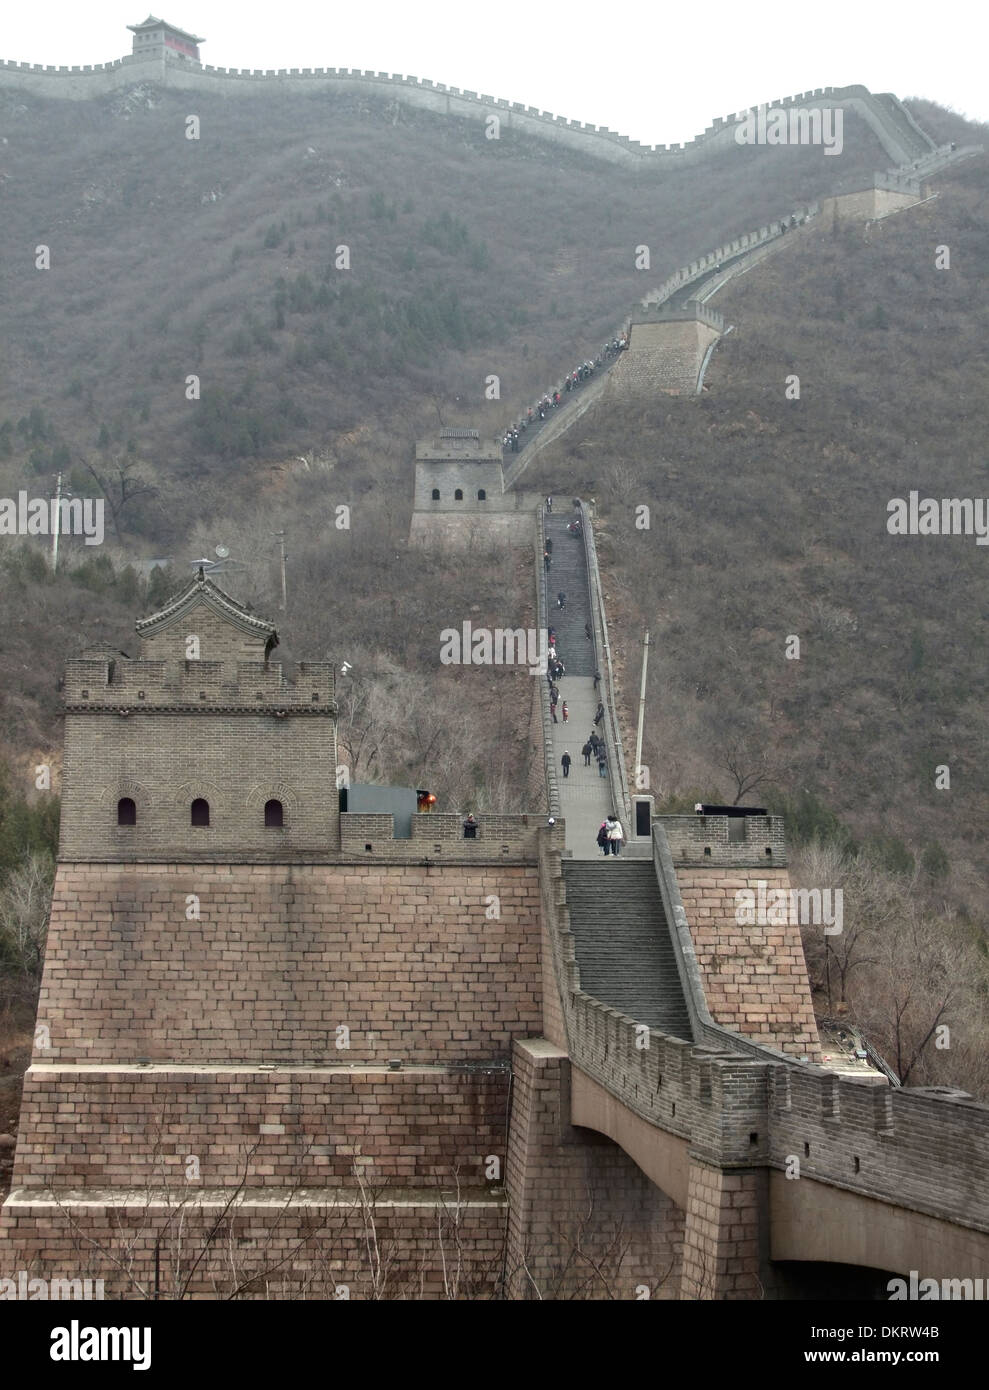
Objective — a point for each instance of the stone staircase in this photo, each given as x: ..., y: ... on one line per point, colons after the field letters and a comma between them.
x: 622, y: 941
x: 569, y: 573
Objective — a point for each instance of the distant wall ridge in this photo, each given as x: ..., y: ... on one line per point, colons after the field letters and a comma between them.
x: 890, y: 122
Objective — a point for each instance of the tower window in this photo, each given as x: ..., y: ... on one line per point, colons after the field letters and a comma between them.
x: 200, y: 812
x: 126, y: 811
x: 458, y: 495
x: 482, y: 495
x: 436, y: 494
x: 273, y: 814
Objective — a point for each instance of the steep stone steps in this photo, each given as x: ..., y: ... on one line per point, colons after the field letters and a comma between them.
x: 622, y: 941
x: 569, y: 573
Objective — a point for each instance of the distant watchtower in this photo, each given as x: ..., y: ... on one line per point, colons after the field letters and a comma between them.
x: 156, y: 38
x: 458, y: 472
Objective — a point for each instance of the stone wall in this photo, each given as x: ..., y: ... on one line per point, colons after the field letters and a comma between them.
x: 407, y: 958
x: 891, y: 124
x: 234, y: 759
x: 734, y: 840
x: 437, y: 835
x: 869, y: 202
x: 308, y: 1245
x: 584, y: 1220
x: 754, y: 976
x: 665, y: 356
x: 138, y: 1127
x: 743, y: 1106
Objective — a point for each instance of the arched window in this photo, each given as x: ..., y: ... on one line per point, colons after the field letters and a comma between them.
x: 273, y: 814
x: 458, y: 495
x: 126, y: 811
x: 200, y: 812
x: 482, y: 496
x: 436, y: 494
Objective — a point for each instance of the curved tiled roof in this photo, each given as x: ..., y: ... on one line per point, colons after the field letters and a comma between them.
x: 203, y: 591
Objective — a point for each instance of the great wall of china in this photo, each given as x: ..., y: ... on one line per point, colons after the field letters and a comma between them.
x: 736, y: 1163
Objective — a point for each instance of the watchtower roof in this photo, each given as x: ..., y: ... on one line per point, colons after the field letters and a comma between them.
x: 203, y: 593
x: 152, y: 23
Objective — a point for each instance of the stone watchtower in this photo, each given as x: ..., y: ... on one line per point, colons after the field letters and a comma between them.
x: 458, y: 472
x: 198, y: 751
x: 156, y: 38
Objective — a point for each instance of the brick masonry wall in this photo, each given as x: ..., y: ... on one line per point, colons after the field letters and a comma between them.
x: 407, y: 958
x: 754, y: 977
x: 572, y: 1190
x: 704, y: 840
x: 869, y: 202
x: 166, y: 761
x: 661, y: 357
x: 139, y: 1127
x: 319, y: 1246
x: 470, y: 475
x: 721, y: 1240
x: 435, y: 835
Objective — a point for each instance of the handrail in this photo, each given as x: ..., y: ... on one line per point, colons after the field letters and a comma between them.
x: 552, y: 785
x: 602, y: 646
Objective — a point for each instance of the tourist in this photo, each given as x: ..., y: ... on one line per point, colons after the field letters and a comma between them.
x: 600, y: 714
x: 566, y: 712
x: 470, y: 827
x: 602, y: 838
x: 565, y: 764
x: 615, y: 834
x: 602, y: 763
x: 587, y: 750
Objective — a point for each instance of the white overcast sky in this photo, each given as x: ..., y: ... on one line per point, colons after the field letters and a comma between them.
x: 655, y: 71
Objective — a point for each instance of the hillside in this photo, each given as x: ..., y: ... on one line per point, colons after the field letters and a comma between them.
x: 216, y: 258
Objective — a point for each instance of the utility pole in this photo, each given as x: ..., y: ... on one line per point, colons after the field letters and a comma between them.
x: 57, y: 520
x: 281, y: 548
x: 642, y: 711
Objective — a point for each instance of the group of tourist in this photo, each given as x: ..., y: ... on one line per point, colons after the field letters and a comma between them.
x: 513, y: 438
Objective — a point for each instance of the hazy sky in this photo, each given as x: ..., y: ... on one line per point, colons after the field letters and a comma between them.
x: 626, y: 66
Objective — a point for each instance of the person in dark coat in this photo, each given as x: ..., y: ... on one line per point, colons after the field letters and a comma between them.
x: 565, y: 764
x: 600, y: 714
x: 587, y: 750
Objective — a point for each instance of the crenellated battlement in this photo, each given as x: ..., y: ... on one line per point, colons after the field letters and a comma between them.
x: 885, y: 115
x: 740, y: 1103
x: 122, y: 686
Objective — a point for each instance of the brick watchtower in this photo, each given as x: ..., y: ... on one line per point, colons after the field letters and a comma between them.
x: 199, y: 751
x: 156, y: 38
x: 249, y: 1012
